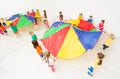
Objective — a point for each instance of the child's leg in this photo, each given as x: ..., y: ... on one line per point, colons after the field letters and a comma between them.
x: 17, y: 34
x: 42, y: 55
x: 5, y: 31
x: 104, y: 46
x: 89, y: 73
x: 91, y: 69
x: 52, y: 68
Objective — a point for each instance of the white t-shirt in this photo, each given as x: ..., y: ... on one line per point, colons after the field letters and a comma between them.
x: 51, y: 61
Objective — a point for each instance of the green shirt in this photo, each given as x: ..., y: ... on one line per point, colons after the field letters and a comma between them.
x: 34, y: 37
x: 14, y: 28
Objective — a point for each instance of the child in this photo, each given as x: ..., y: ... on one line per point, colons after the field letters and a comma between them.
x: 3, y: 29
x: 90, y: 19
x: 37, y: 15
x: 38, y: 48
x: 33, y: 35
x: 80, y: 17
x: 50, y: 60
x: 46, y: 24
x: 98, y: 62
x: 60, y: 16
x: 45, y: 15
x: 35, y: 23
x: 108, y: 41
x: 3, y: 22
x: 33, y: 13
x: 101, y: 25
x: 15, y: 30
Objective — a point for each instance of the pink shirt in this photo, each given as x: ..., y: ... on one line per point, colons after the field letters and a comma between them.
x: 47, y: 24
x: 101, y: 26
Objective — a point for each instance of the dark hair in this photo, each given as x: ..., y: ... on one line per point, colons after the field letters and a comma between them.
x: 103, y: 21
x: 0, y: 24
x: 100, y: 55
x: 100, y: 62
x: 60, y: 12
x: 35, y: 43
x: 90, y: 16
x: 47, y: 54
x: 44, y: 10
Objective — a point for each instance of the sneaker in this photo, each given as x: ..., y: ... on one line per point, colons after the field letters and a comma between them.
x: 89, y: 74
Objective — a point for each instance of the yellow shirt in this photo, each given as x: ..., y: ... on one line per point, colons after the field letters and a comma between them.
x: 38, y: 15
x: 95, y: 63
x: 108, y: 42
x: 80, y: 17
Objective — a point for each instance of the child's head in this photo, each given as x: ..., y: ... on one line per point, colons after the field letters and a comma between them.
x: 60, y: 12
x: 102, y: 21
x: 45, y: 21
x: 31, y: 32
x: 90, y: 16
x: 37, y: 9
x: 44, y: 11
x: 100, y: 55
x: 48, y: 54
x: 33, y: 10
x: 80, y: 14
x: 111, y: 36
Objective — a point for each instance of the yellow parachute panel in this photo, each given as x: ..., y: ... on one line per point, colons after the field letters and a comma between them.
x: 71, y: 47
x: 74, y: 22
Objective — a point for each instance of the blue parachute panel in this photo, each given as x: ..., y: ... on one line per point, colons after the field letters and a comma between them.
x: 30, y: 18
x: 13, y: 17
x: 88, y: 39
x: 57, y: 23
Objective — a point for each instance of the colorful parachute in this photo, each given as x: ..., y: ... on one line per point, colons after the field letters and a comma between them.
x: 74, y: 22
x: 68, y: 42
x: 20, y: 20
x: 85, y: 25
x: 57, y: 23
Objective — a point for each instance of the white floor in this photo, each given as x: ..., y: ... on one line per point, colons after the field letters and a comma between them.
x: 18, y: 60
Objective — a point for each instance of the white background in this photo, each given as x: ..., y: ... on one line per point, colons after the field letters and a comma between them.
x: 109, y: 10
x: 18, y: 59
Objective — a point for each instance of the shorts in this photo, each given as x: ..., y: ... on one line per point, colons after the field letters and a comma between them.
x: 42, y: 55
x: 5, y: 31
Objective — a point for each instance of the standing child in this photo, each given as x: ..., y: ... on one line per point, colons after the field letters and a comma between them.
x: 15, y: 30
x: 38, y: 15
x: 45, y: 14
x: 96, y: 63
x: 38, y: 48
x: 50, y: 60
x: 60, y: 16
x: 46, y: 23
x: 90, y: 19
x: 108, y: 41
x: 35, y: 23
x: 80, y: 17
x: 33, y: 13
x: 3, y: 29
x: 101, y: 25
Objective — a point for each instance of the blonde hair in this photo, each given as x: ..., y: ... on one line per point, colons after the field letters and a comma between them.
x: 31, y: 32
x: 112, y: 36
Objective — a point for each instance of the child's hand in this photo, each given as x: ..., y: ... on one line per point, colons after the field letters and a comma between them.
x: 48, y: 65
